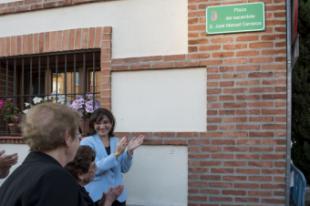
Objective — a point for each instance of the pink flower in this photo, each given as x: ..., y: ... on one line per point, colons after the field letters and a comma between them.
x: 1, y: 103
x: 85, y: 105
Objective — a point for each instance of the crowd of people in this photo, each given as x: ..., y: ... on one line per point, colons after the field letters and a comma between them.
x: 61, y: 170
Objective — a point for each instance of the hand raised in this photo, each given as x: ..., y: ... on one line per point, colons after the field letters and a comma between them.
x: 134, y: 143
x: 6, y: 161
x: 116, y: 191
x: 112, y: 194
x: 121, y: 146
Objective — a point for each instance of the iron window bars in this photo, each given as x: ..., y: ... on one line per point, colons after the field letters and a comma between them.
x: 65, y: 75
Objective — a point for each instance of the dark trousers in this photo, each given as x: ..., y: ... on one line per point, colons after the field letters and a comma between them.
x: 117, y: 203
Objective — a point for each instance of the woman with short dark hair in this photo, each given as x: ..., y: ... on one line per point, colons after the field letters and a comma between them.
x: 82, y: 168
x: 82, y: 165
x: 113, y: 156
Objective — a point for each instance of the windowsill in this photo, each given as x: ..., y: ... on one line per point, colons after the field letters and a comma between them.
x: 11, y: 140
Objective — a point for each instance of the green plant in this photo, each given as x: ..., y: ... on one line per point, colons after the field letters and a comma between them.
x: 9, y: 111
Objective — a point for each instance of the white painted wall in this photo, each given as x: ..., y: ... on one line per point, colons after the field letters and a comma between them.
x: 21, y: 149
x: 140, y: 27
x: 7, y: 1
x: 166, y: 100
x: 158, y: 176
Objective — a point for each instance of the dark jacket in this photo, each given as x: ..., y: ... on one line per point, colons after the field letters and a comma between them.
x: 40, y: 181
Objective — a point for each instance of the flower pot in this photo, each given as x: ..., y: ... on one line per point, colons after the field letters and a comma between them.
x: 14, y: 129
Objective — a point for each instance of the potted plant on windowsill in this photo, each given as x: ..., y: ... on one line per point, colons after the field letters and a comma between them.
x: 85, y: 105
x: 10, y: 115
x: 60, y: 99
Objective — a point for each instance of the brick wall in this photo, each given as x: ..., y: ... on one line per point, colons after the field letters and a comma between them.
x: 241, y: 159
x: 244, y: 162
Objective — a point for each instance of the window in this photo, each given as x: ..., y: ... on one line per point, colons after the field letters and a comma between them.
x: 58, y: 75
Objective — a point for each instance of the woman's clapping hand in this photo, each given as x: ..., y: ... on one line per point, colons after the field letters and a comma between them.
x: 111, y: 195
x: 134, y: 143
x: 121, y: 146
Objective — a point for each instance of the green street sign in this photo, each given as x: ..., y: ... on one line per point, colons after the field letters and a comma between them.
x: 235, y: 18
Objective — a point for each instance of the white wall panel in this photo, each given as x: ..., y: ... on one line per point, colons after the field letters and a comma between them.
x: 158, y: 176
x: 166, y: 100
x: 140, y: 27
x: 7, y: 1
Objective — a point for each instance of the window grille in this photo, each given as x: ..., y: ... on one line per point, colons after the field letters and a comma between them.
x: 55, y: 75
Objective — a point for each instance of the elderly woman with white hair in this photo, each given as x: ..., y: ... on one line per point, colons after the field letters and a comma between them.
x: 51, y: 131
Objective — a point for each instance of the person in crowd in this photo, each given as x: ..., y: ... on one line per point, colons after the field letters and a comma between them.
x: 6, y: 162
x: 82, y: 168
x: 51, y: 131
x: 113, y: 156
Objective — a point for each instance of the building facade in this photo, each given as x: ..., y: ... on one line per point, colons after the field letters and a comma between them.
x: 213, y: 108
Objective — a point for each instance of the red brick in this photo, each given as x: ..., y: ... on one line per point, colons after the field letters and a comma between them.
x: 261, y: 45
x: 260, y: 164
x: 235, y: 46
x: 234, y: 90
x: 234, y: 178
x: 246, y: 185
x: 209, y: 48
x: 234, y: 105
x: 227, y: 127
x: 211, y: 149
x: 247, y: 156
x: 261, y: 59
x: 13, y: 46
x: 220, y: 199
x: 247, y: 171
x: 227, y: 98
x: 247, y: 38
x: 247, y: 199
x: 261, y: 149
x: 260, y: 74
x: 221, y: 40
x: 197, y: 198
x: 214, y: 91
x: 222, y: 54
x: 236, y: 61
x: 274, y: 201
x: 234, y: 163
x: 259, y: 193
x: 261, y: 134
x: 222, y: 156
x: 270, y: 37
x: 220, y: 184
x: 246, y: 53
